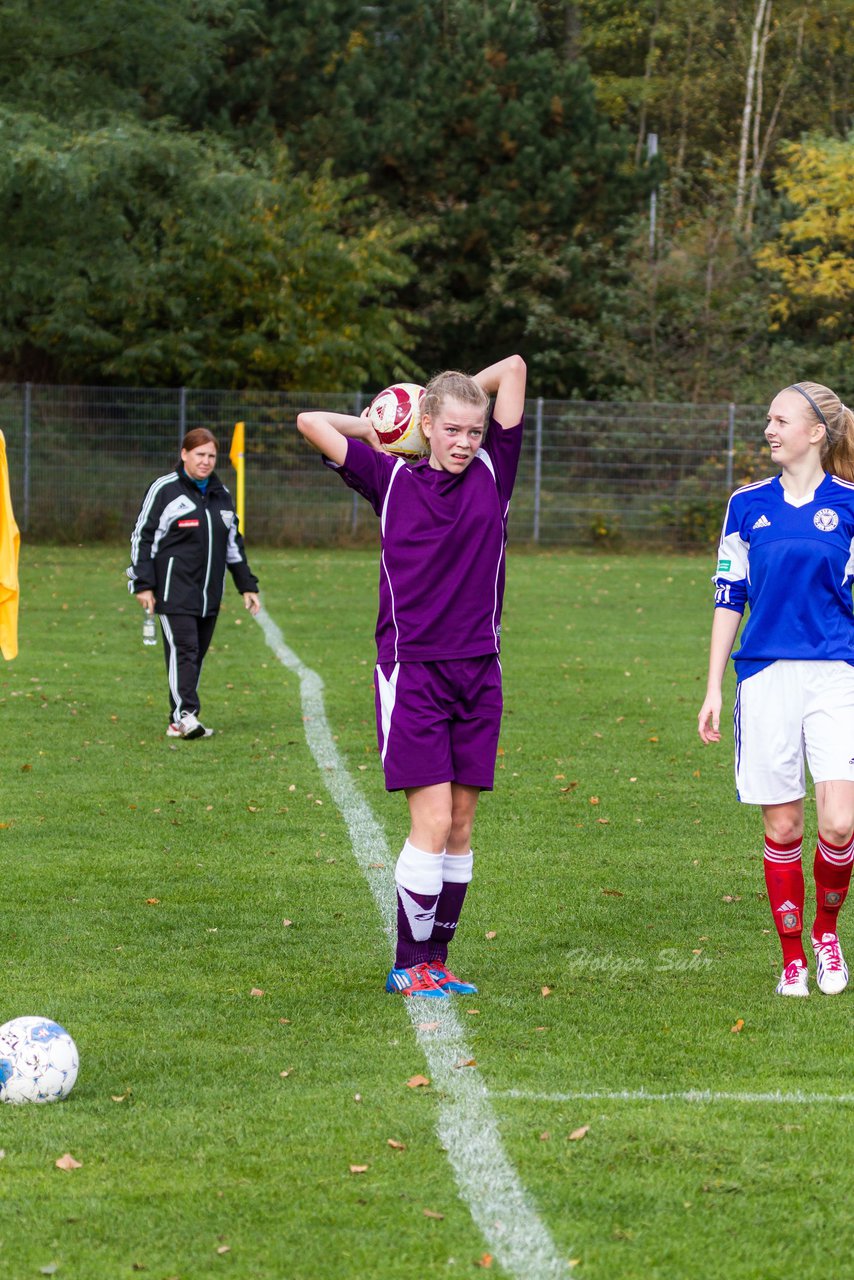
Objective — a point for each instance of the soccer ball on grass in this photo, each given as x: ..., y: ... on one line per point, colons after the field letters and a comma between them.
x: 395, y: 415
x: 38, y: 1061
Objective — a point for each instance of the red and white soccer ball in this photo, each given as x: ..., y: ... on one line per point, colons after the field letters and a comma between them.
x: 395, y: 415
x: 38, y: 1061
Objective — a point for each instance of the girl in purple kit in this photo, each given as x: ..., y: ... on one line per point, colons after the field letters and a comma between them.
x: 443, y: 524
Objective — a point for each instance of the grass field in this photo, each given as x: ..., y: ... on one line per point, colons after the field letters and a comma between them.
x: 151, y: 886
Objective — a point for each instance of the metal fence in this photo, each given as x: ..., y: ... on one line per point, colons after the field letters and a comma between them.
x: 603, y: 473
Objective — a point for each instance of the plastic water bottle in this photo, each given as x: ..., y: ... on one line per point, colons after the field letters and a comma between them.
x: 149, y: 629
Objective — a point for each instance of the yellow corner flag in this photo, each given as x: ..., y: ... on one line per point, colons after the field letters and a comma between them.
x: 10, y: 543
x: 235, y: 457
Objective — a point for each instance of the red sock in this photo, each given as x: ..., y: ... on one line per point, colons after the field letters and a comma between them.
x: 784, y: 880
x: 832, y: 870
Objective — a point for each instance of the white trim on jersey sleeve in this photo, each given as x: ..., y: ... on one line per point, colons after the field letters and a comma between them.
x: 484, y: 457
x: 732, y: 572
x: 849, y: 568
x: 395, y: 472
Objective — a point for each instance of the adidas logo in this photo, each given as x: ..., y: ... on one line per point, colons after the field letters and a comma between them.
x: 762, y: 523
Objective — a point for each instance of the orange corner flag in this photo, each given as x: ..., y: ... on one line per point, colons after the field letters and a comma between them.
x: 10, y: 543
x: 237, y: 444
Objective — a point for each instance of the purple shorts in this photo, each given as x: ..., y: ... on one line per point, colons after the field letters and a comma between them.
x: 439, y: 721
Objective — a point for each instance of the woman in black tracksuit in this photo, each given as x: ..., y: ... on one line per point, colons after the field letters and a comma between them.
x: 184, y: 539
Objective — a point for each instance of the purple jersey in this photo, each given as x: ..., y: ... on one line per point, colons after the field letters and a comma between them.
x: 443, y: 539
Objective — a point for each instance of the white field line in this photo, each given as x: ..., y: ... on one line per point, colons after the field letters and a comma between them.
x: 467, y: 1126
x: 775, y: 1097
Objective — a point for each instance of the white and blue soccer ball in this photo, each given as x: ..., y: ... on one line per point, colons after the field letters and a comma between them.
x: 38, y: 1061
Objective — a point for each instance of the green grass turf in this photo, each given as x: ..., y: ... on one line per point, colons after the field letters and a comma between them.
x: 643, y: 913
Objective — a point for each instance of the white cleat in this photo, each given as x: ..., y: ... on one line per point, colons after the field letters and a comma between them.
x: 189, y: 726
x: 793, y: 980
x: 831, y: 969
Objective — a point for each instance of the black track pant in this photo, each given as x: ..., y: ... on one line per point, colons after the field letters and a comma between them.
x: 185, y: 640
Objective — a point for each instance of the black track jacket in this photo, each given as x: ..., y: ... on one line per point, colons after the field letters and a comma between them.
x: 183, y: 542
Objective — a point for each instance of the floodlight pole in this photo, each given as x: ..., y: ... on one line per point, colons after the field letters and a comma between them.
x: 651, y: 153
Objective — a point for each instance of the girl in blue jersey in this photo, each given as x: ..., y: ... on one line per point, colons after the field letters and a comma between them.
x: 443, y: 527
x: 787, y: 552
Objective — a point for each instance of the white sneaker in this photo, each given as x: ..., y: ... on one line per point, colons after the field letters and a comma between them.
x: 793, y: 980
x: 188, y: 726
x: 831, y: 969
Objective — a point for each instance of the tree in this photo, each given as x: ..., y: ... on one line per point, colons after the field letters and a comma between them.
x: 482, y: 132
x: 140, y: 253
x: 811, y: 258
x: 73, y: 58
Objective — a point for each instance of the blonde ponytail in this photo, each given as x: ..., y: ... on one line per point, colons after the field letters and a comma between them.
x: 837, y: 448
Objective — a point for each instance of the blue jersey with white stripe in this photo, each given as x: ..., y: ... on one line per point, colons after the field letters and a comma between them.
x: 792, y: 564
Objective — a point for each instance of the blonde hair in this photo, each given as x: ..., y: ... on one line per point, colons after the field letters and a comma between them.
x: 837, y: 447
x: 452, y: 385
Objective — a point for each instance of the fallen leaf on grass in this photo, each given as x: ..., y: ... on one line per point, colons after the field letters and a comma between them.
x: 731, y: 897
x: 578, y: 1134
x: 546, y: 991
x: 545, y: 1137
x: 152, y: 902
x: 359, y: 1168
x: 284, y: 1022
x: 120, y: 1097
x: 223, y: 1248
x: 466, y: 1062
x: 569, y: 787
x: 603, y: 822
x: 613, y: 893
x: 427, y: 1026
x: 256, y: 991
x: 395, y: 1145
x: 284, y: 1074
x: 50, y: 1270
x: 485, y: 1261
x: 594, y: 799
x: 491, y: 934
x: 286, y: 924
x: 472, y: 1011
x: 428, y: 1213
x: 68, y: 1162
x: 739, y: 1025
x: 417, y: 1082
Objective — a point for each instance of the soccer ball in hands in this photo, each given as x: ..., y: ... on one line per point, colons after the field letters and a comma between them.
x: 395, y: 415
x: 38, y: 1061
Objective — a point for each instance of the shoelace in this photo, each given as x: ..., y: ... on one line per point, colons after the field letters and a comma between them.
x: 831, y: 956
x: 792, y: 972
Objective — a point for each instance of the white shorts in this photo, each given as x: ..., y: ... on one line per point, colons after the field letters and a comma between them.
x: 785, y: 710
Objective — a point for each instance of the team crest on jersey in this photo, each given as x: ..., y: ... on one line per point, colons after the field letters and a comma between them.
x: 227, y: 518
x: 724, y: 566
x: 826, y: 520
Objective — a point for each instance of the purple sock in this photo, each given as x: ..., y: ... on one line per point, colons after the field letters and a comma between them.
x: 457, y: 873
x: 418, y: 876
